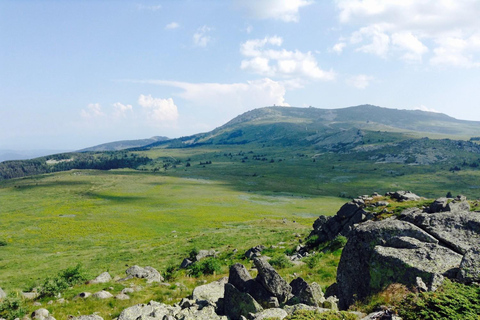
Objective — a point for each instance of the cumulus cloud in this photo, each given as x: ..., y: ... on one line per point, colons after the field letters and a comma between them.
x: 410, y: 29
x: 149, y: 8
x: 159, y: 110
x: 121, y: 110
x: 338, y: 47
x: 172, y: 25
x: 201, y: 37
x: 424, y: 108
x: 93, y: 110
x: 360, y: 81
x: 284, y: 10
x: 265, y: 61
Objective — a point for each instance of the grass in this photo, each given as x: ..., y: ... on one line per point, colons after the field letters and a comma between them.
x: 109, y: 220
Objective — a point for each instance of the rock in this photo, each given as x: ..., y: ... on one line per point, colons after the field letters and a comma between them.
x: 145, y: 311
x: 102, y: 295
x: 238, y: 303
x: 405, y: 196
x: 128, y: 290
x: 210, y: 292
x: 205, y: 313
x: 470, y: 266
x: 458, y: 205
x: 390, y: 251
x: 439, y: 205
x: 275, y: 313
x: 303, y: 292
x: 149, y: 273
x: 381, y: 315
x: 102, y: 278
x: 317, y: 293
x: 420, y: 285
x: 186, y: 263
x: 382, y: 204
x: 186, y: 303
x: 40, y: 314
x: 122, y: 296
x: 202, y: 254
x: 83, y: 295
x: 272, y: 281
x: 458, y: 230
x: 331, y: 290
x: 30, y: 295
x: 243, y: 281
x: 87, y: 317
x: 37, y: 304
x: 331, y: 303
x: 62, y: 300
x: 292, y: 309
x: 254, y: 252
x: 3, y: 295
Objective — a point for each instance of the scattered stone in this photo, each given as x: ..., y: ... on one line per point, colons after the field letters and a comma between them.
x: 331, y: 303
x: 275, y: 313
x: 128, y: 290
x: 272, y: 281
x: 405, y: 196
x: 37, y: 304
x: 40, y: 314
x: 254, y: 252
x: 202, y: 254
x: 61, y: 300
x: 122, y: 296
x: 186, y: 263
x: 83, y: 295
x: 102, y: 278
x: 102, y: 295
x: 237, y: 304
x: 149, y: 273
x: 153, y: 309
x: 3, y: 295
x: 382, y: 204
x: 470, y: 266
x: 30, y: 295
x: 210, y: 292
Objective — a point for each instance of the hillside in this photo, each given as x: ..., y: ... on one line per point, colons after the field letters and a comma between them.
x: 124, y: 144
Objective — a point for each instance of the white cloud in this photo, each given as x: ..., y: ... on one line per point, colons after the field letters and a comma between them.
x: 424, y: 108
x: 159, y: 110
x: 229, y: 99
x: 249, y: 29
x: 149, y: 8
x: 412, y: 28
x: 201, y: 37
x: 338, y: 47
x: 285, y: 10
x: 281, y: 62
x: 172, y: 25
x: 360, y: 81
x: 93, y: 110
x: 121, y: 110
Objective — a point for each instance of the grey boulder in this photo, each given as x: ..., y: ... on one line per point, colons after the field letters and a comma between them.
x: 272, y: 281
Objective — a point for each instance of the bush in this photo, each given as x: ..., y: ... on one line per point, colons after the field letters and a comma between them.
x: 192, y: 255
x: 170, y: 273
x: 66, y: 278
x: 12, y: 307
x: 280, y: 262
x: 338, y: 243
x: 313, y: 260
x: 3, y: 243
x: 205, y: 267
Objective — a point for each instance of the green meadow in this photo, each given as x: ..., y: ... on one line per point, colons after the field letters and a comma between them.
x: 107, y: 220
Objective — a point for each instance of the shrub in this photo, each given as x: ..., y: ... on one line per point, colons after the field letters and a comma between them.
x: 192, y: 255
x: 313, y: 260
x: 205, y: 267
x: 52, y: 286
x: 12, y: 307
x: 280, y: 262
x: 170, y: 273
x: 3, y: 243
x: 338, y: 243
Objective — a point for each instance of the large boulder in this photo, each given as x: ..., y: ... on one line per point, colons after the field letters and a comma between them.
x: 457, y: 230
x: 390, y: 251
x: 149, y: 273
x: 273, y: 313
x: 102, y: 295
x: 152, y: 309
x: 238, y: 304
x: 194, y: 313
x: 306, y: 294
x: 470, y: 265
x: 254, y: 252
x: 243, y: 281
x: 210, y: 292
x: 272, y: 281
x: 102, y: 278
x: 404, y: 196
x: 202, y: 254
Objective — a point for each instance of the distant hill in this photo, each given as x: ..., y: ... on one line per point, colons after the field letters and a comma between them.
x: 327, y: 127
x: 6, y: 155
x: 124, y: 144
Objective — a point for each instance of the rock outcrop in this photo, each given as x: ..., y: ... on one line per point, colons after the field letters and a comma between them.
x: 149, y: 273
x: 272, y: 281
x: 418, y: 249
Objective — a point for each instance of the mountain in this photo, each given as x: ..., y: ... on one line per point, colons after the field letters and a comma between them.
x: 6, y: 155
x: 327, y: 127
x: 124, y: 144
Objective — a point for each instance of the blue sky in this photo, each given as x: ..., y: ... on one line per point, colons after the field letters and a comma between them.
x: 80, y: 73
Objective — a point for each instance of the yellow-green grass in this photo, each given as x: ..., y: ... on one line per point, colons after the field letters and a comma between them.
x: 108, y: 220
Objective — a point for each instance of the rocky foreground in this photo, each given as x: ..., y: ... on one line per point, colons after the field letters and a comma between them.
x: 417, y: 247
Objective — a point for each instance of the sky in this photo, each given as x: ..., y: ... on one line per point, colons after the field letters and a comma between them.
x: 74, y: 74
